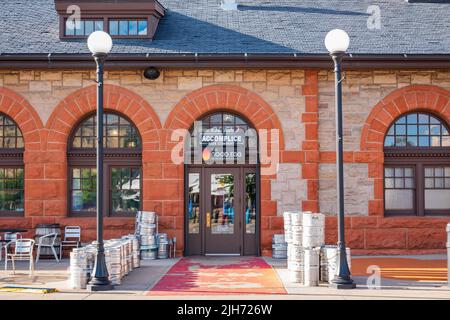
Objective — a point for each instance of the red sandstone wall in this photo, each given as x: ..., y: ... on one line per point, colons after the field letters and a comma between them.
x: 46, y: 165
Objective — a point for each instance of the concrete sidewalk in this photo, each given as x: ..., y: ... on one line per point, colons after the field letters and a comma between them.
x: 137, y: 283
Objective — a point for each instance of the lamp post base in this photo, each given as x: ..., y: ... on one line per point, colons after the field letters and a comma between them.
x: 99, y: 287
x: 342, y: 284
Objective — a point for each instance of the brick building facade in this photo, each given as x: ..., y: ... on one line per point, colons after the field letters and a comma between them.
x: 48, y: 102
x: 46, y: 105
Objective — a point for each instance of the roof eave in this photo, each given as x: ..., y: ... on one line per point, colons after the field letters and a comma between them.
x: 133, y: 61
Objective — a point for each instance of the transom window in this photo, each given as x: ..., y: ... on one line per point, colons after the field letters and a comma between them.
x: 10, y: 134
x: 417, y: 130
x: 117, y: 133
x: 417, y: 166
x: 122, y: 167
x: 11, y: 168
x: 222, y: 138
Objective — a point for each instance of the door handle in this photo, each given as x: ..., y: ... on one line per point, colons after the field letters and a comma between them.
x: 208, y: 220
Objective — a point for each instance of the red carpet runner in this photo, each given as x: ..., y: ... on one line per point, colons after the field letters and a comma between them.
x: 208, y: 275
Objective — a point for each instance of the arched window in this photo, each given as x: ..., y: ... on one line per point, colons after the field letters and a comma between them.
x: 11, y: 168
x: 122, y: 167
x: 417, y: 166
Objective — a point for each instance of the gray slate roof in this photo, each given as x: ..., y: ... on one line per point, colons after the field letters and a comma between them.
x: 259, y: 26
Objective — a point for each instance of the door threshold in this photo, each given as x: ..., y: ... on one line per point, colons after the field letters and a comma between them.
x: 223, y: 254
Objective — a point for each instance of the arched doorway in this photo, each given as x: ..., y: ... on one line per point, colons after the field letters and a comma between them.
x: 222, y: 186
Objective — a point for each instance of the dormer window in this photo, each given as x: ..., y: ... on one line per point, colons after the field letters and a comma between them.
x: 120, y: 18
x: 128, y: 27
x: 82, y: 27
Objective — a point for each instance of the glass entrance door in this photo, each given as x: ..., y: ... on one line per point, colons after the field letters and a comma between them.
x: 223, y: 214
x: 222, y: 211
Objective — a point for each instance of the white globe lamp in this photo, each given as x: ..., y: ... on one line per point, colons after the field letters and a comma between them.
x: 99, y: 43
x: 337, y: 40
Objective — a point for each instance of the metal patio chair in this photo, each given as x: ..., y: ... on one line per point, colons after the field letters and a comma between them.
x: 23, y: 251
x: 8, y: 237
x: 42, y: 244
x: 72, y: 238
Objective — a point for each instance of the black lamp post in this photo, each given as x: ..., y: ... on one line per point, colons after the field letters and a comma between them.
x: 100, y: 45
x: 337, y: 42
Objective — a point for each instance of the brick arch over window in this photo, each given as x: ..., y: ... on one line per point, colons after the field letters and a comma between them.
x: 425, y: 98
x: 69, y: 112
x: 222, y: 97
x: 20, y: 110
x: 30, y: 124
x: 430, y: 99
x: 50, y: 195
x: 192, y: 107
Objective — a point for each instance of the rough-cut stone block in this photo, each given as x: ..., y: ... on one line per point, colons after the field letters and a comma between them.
x: 51, y: 75
x: 131, y: 79
x: 189, y: 83
x: 224, y: 75
x: 427, y: 238
x: 72, y: 79
x: 386, y: 239
x: 38, y: 86
x: 255, y: 75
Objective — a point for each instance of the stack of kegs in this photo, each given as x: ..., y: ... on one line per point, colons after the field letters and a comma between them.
x: 149, y: 250
x: 329, y: 262
x: 306, y: 236
x: 163, y: 246
x: 114, y: 262
x: 295, y: 252
x: 313, y: 230
x: 287, y: 226
x: 146, y: 225
x: 134, y: 243
x: 309, y: 259
x: 78, y: 269
x: 312, y: 240
x: 311, y: 275
x: 296, y: 228
x: 296, y: 260
x: 279, y: 246
x: 119, y: 256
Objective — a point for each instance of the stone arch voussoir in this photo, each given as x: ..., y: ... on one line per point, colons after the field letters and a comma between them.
x: 427, y: 98
x: 20, y: 110
x: 69, y: 112
x: 222, y: 97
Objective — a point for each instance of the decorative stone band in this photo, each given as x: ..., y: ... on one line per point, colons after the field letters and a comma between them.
x: 417, y: 154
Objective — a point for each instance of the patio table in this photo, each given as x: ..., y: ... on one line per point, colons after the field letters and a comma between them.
x: 12, y: 230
